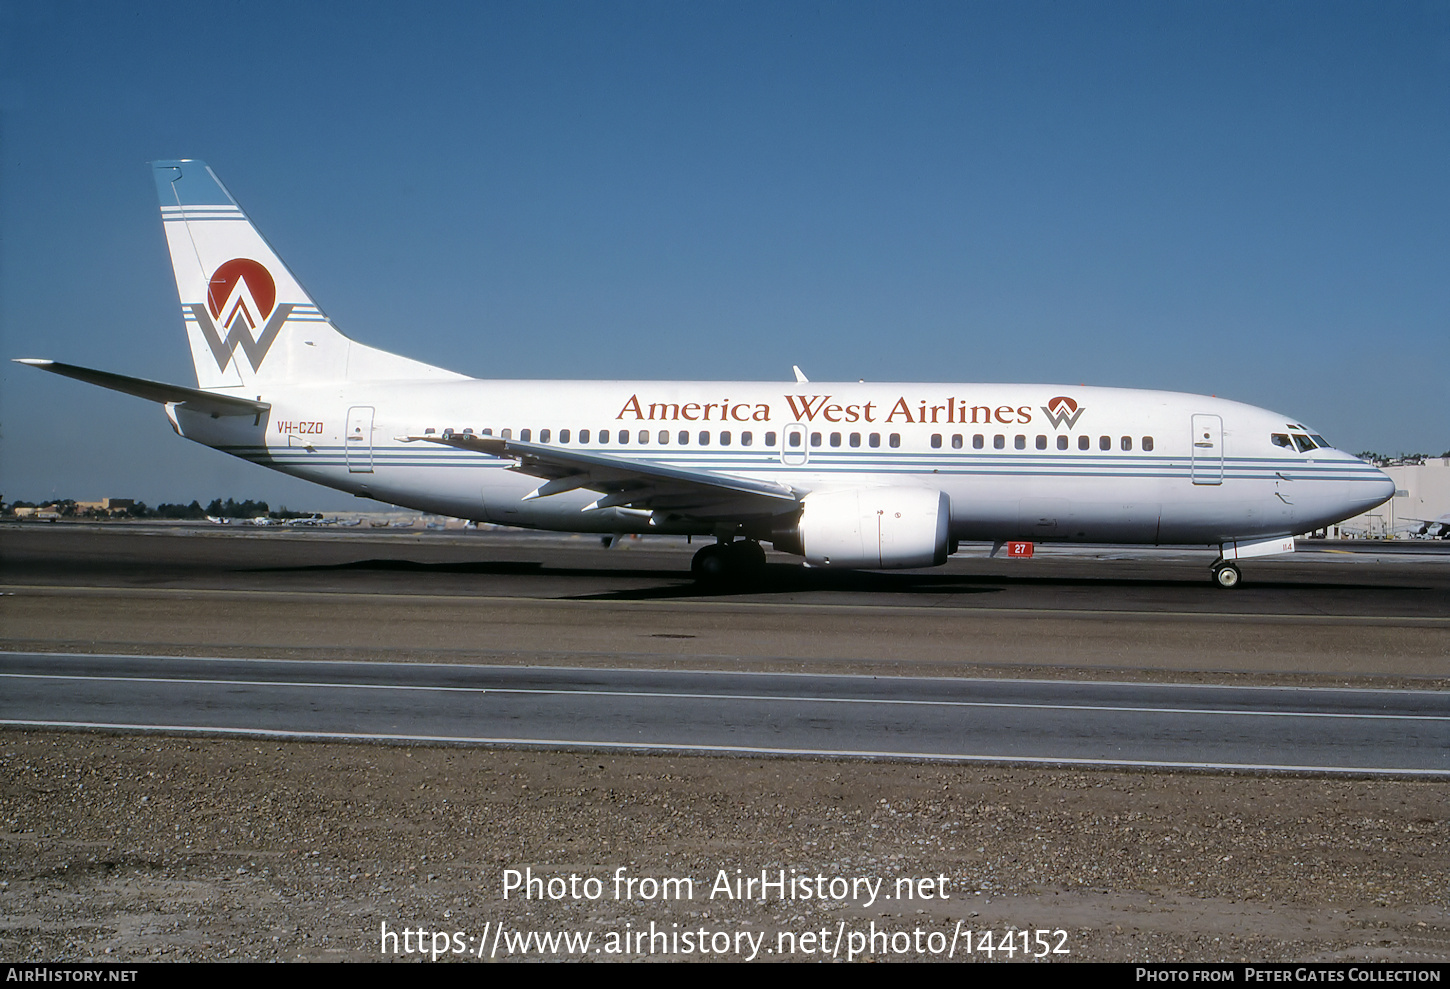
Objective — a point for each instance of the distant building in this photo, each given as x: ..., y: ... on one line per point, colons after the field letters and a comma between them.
x: 1422, y: 492
x: 106, y: 506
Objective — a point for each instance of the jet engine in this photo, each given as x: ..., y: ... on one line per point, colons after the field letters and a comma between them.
x: 871, y: 529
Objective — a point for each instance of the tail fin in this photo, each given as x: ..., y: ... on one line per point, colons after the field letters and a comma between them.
x: 248, y: 319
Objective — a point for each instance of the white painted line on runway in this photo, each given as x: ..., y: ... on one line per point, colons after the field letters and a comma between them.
x: 775, y: 698
x: 728, y: 749
x: 674, y: 606
x: 607, y: 670
x: 244, y: 683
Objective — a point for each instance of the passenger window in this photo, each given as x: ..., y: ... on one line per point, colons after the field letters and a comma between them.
x: 704, y: 437
x: 1062, y: 442
x: 1041, y: 442
x: 623, y: 437
x: 583, y: 436
x: 664, y: 437
x: 1083, y: 442
x: 1020, y: 442
x: 792, y: 439
x: 724, y: 437
x: 855, y: 439
x: 746, y: 439
x: 684, y: 437
x: 815, y: 439
x: 874, y: 440
x: 1282, y: 439
x: 507, y: 434
x: 524, y: 435
x: 835, y: 439
x: 1105, y: 442
x: 770, y: 438
x: 936, y: 441
x: 604, y: 437
x: 1126, y: 443
x: 486, y: 432
x: 895, y: 440
x: 1147, y: 444
x: 978, y: 441
x: 563, y: 436
x: 999, y: 442
x: 643, y: 436
x: 543, y: 436
x: 956, y: 441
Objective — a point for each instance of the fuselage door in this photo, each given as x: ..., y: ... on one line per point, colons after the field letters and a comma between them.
x: 358, y: 443
x: 1207, y: 449
x: 793, y: 451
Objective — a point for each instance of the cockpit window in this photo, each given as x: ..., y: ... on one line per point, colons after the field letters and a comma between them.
x: 1320, y: 440
x: 1282, y: 439
x: 1304, y: 443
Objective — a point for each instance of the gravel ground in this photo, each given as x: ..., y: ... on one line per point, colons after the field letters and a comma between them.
x: 130, y: 847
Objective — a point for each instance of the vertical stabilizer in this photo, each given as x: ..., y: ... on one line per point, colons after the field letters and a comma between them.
x: 248, y: 320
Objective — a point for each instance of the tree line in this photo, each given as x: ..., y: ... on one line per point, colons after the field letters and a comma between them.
x: 229, y: 508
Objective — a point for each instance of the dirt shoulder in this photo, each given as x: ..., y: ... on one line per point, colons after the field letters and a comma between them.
x: 130, y: 847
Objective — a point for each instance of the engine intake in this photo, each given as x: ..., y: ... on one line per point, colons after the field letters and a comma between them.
x: 871, y: 529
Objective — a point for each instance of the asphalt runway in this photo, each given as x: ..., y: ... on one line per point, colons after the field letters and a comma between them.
x: 622, y: 626
x: 1157, y: 726
x: 1336, y: 617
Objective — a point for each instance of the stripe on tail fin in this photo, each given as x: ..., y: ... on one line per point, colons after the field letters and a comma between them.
x: 248, y: 320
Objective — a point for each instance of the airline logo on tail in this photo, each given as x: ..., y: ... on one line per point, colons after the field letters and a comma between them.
x: 1062, y: 410
x: 240, y: 297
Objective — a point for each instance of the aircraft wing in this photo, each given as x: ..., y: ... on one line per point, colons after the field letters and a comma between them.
x: 194, y: 399
x: 638, y: 484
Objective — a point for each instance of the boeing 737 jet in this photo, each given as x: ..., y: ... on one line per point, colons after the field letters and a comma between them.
x: 856, y: 475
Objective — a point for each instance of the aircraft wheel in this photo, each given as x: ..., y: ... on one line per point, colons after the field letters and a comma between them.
x: 1226, y: 575
x: 711, y: 564
x: 725, y: 563
x: 747, y: 558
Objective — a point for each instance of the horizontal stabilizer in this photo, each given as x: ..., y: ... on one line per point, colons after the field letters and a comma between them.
x: 192, y: 399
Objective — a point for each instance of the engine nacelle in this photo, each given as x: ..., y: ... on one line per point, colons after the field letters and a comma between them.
x: 872, y: 529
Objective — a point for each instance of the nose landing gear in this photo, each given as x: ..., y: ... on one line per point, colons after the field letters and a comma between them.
x: 1226, y: 575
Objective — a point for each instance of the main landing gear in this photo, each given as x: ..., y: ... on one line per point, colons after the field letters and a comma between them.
x: 1226, y: 575
x: 732, y: 562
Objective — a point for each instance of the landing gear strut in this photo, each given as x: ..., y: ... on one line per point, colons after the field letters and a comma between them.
x: 731, y: 562
x: 1226, y: 574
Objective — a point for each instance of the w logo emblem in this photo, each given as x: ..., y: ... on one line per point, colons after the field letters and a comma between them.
x: 1062, y: 410
x: 240, y: 297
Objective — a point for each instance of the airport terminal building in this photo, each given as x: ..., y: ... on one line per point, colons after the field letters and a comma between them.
x: 1422, y: 494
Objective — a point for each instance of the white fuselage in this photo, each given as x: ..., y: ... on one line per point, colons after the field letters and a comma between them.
x: 1110, y: 465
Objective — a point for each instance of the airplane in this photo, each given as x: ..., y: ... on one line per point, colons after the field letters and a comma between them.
x: 853, y: 475
x: 1442, y: 521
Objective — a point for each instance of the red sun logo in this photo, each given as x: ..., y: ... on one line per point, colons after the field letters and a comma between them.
x: 1062, y: 411
x: 259, y: 285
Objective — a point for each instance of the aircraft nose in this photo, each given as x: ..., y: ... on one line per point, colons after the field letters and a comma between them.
x: 1384, y: 487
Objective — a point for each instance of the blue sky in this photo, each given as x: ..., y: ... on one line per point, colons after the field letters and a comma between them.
x: 1243, y: 199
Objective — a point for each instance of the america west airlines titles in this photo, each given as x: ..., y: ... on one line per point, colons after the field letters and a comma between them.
x: 812, y: 408
x: 809, y: 408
